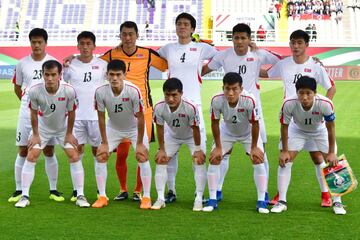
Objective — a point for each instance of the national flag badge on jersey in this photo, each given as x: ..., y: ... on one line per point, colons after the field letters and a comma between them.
x: 94, y: 67
x: 340, y: 179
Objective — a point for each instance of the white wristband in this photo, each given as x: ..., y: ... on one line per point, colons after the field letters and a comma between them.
x: 197, y: 148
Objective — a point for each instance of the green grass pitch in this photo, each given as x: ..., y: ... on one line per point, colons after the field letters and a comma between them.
x: 236, y: 217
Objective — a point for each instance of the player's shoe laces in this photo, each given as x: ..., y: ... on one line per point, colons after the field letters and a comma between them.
x: 339, y: 208
x: 136, y: 197
x: 23, y: 202
x: 145, y: 203
x: 326, y: 199
x: 219, y: 196
x: 274, y: 200
x: 82, y: 202
x: 100, y: 202
x: 122, y: 196
x: 279, y: 207
x: 211, y: 205
x: 56, y: 196
x: 198, y: 206
x: 261, y: 207
x: 74, y: 196
x: 15, y: 197
x: 158, y: 204
x: 170, y: 197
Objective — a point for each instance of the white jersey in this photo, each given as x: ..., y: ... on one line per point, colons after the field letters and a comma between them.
x: 52, y: 109
x: 310, y: 121
x: 248, y: 66
x: 185, y: 63
x: 289, y: 71
x: 237, y: 120
x: 86, y: 78
x: 180, y: 121
x: 121, y: 109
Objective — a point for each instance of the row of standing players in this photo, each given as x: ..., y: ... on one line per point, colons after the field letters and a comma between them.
x: 184, y: 60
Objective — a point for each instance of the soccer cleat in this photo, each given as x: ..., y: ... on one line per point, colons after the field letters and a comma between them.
x: 100, y: 202
x: 326, y: 199
x: 198, y: 206
x: 170, y: 197
x: 158, y: 204
x: 122, y: 196
x: 219, y: 196
x: 275, y: 200
x: 15, y: 197
x: 82, y: 202
x: 339, y: 208
x: 211, y: 205
x: 23, y: 202
x: 74, y: 196
x: 56, y: 196
x: 98, y: 196
x: 136, y: 197
x: 279, y: 207
x: 145, y: 203
x: 261, y: 207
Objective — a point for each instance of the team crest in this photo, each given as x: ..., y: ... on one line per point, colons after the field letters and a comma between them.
x: 193, y: 49
x: 182, y: 115
x: 307, y: 70
x: 241, y: 110
x: 125, y: 99
x: 61, y: 99
x: 94, y: 67
x: 250, y: 59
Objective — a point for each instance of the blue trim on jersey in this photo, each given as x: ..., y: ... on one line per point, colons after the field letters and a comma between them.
x: 330, y: 118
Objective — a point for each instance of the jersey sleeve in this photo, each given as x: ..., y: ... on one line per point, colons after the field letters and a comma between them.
x: 327, y: 109
x: 107, y: 56
x: 285, y: 112
x: 194, y: 119
x: 157, y: 117
x: 208, y: 51
x: 99, y: 101
x: 18, y: 75
x: 33, y: 102
x: 267, y: 57
x: 215, y: 108
x: 163, y: 52
x: 275, y: 71
x: 252, y: 109
x: 138, y: 105
x: 72, y: 102
x: 216, y: 62
x: 157, y: 62
x: 323, y: 78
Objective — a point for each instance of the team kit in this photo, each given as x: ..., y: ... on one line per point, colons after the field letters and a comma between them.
x: 105, y: 102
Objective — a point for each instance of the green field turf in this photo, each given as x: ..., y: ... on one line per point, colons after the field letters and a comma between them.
x: 236, y: 217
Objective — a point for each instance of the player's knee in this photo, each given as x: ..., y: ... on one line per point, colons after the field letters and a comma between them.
x: 93, y: 150
x: 102, y: 158
x: 214, y: 162
x: 80, y: 148
x: 317, y: 157
x: 32, y: 156
x: 141, y: 160
x: 23, y: 151
x: 49, y: 151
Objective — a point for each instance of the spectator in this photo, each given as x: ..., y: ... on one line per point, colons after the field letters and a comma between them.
x: 308, y: 30
x: 261, y: 34
x: 314, y: 33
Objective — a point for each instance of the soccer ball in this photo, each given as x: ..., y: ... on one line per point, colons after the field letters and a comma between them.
x: 338, y: 181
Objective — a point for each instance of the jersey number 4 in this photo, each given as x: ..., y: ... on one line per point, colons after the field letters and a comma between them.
x: 182, y: 59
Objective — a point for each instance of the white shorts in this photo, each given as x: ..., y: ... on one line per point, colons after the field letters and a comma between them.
x: 202, y: 125
x: 172, y: 145
x: 51, y: 139
x: 312, y: 142
x: 115, y: 137
x: 87, y: 131
x: 23, y: 131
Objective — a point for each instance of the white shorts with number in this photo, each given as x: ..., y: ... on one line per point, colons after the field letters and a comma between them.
x: 23, y: 131
x: 87, y: 131
x: 115, y: 137
x: 51, y: 139
x: 172, y: 145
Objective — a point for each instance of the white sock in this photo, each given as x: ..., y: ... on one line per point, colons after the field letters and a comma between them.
x: 160, y: 180
x: 213, y: 174
x: 284, y: 176
x: 77, y: 174
x: 337, y: 199
x: 200, y: 180
x: 19, y: 163
x: 145, y: 175
x: 51, y: 167
x: 27, y: 177
x: 101, y: 175
x: 172, y: 168
x: 266, y: 164
x: 72, y: 178
x: 260, y: 179
x: 224, y: 167
x: 318, y: 168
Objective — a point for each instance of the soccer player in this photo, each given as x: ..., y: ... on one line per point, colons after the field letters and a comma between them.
x: 185, y: 59
x: 29, y: 72
x: 123, y: 103
x: 305, y: 115
x: 246, y: 63
x: 240, y: 123
x: 85, y: 74
x: 290, y: 69
x: 182, y: 127
x: 52, y: 105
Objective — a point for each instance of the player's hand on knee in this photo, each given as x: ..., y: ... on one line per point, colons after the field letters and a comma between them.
x: 215, y: 156
x: 332, y: 159
x: 141, y: 153
x: 161, y: 157
x: 199, y: 157
x: 33, y: 140
x: 284, y: 158
x: 103, y: 151
x: 256, y: 155
x: 70, y: 138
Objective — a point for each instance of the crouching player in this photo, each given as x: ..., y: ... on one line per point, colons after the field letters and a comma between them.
x: 177, y: 122
x: 55, y: 103
x: 122, y: 100
x: 302, y: 118
x: 240, y: 124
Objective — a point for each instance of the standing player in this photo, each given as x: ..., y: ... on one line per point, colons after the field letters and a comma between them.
x: 182, y: 119
x: 185, y: 59
x: 290, y: 70
x: 28, y: 72
x: 122, y: 100
x: 85, y: 74
x: 246, y: 63
x: 52, y: 105
x: 241, y: 124
x: 305, y: 116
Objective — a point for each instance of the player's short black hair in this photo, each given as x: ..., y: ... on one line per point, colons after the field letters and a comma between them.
x: 300, y: 34
x: 116, y: 65
x: 172, y: 84
x: 242, y: 27
x: 50, y: 64
x: 38, y: 32
x: 86, y: 34
x: 129, y: 24
x: 232, y: 78
x: 306, y: 82
x: 188, y: 17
